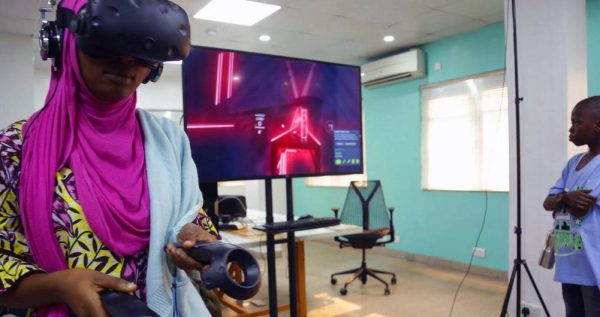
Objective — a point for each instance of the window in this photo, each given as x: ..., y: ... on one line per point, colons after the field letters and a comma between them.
x: 465, y: 134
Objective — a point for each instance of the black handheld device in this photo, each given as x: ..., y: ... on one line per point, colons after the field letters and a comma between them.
x: 220, y: 256
x: 118, y: 304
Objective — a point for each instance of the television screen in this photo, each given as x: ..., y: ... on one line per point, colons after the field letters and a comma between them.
x: 257, y: 116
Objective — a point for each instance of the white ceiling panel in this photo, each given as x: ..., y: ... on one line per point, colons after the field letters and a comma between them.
x: 435, y: 4
x: 332, y: 7
x: 432, y: 22
x: 425, y: 39
x: 494, y: 18
x: 462, y: 28
x: 388, y: 12
x: 476, y: 9
x: 295, y: 20
x: 349, y: 29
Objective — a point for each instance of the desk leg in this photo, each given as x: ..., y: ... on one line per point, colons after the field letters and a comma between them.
x: 301, y: 279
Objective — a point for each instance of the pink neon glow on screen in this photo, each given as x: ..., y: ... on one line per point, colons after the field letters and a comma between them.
x: 263, y: 115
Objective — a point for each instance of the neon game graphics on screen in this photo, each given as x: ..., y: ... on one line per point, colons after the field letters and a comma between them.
x: 257, y: 116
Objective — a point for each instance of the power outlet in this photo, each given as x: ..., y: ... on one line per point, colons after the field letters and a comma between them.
x: 479, y: 252
x: 534, y: 310
x: 396, y: 239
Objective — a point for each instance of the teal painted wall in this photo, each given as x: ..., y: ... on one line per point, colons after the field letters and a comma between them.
x: 593, y: 39
x: 434, y: 223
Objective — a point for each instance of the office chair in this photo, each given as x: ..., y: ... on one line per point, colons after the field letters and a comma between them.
x: 365, y: 207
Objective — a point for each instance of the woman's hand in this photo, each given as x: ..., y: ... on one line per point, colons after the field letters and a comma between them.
x: 579, y: 202
x: 79, y: 289
x: 188, y: 236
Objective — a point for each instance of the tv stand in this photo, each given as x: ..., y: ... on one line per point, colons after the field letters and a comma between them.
x: 291, y: 243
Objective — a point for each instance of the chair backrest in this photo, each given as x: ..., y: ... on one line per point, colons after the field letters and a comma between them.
x: 365, y: 206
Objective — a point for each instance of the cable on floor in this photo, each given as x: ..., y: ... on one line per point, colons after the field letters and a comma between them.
x: 486, y: 191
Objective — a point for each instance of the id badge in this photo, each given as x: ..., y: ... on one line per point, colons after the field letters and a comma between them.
x: 563, y: 215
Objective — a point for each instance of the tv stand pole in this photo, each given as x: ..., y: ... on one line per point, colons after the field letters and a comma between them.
x: 270, y: 250
x: 291, y: 243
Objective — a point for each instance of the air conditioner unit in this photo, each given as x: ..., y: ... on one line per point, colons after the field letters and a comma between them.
x: 400, y: 67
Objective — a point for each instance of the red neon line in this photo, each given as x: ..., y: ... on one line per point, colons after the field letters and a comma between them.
x: 314, y: 138
x: 303, y: 124
x: 219, y: 74
x: 292, y: 79
x: 230, y: 81
x: 308, y: 80
x: 211, y: 126
x: 279, y: 136
x: 283, y: 162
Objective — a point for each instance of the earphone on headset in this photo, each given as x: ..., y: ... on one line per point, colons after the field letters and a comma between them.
x: 175, y: 47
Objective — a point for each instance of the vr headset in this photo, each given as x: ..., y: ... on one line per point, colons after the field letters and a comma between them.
x: 152, y: 31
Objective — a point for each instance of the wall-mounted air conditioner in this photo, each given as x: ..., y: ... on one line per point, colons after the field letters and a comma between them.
x: 403, y: 66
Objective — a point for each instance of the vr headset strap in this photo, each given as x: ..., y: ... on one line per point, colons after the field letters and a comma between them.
x: 63, y: 17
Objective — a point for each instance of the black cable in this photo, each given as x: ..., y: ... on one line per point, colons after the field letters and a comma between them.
x: 472, y: 253
x: 486, y: 191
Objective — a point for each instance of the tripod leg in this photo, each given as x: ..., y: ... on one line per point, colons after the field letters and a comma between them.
x: 508, y: 290
x: 536, y: 289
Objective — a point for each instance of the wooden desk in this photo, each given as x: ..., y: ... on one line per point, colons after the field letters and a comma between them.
x: 250, y: 238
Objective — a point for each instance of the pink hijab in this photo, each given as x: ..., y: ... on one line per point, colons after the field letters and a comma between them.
x: 103, y: 144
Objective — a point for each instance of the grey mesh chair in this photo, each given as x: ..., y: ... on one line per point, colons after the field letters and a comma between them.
x: 365, y: 207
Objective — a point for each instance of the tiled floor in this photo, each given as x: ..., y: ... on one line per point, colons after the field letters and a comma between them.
x: 421, y: 291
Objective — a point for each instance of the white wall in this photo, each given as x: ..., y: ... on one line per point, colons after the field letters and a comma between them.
x: 16, y: 78
x: 41, y: 86
x: 552, y: 77
x: 166, y: 94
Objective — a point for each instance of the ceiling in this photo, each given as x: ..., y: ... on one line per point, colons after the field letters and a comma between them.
x: 339, y: 31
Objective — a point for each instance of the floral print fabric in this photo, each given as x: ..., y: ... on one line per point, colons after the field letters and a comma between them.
x: 81, y: 247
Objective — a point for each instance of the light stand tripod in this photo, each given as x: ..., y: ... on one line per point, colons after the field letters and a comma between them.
x: 518, y: 261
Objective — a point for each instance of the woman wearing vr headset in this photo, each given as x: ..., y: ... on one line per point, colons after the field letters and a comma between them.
x: 91, y: 188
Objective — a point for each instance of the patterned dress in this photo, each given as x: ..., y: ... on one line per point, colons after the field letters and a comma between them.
x: 81, y: 246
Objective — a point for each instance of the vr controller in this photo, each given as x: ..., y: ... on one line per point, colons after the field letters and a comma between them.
x: 119, y: 304
x: 220, y: 256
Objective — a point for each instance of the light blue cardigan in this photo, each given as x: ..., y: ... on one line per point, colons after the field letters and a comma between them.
x: 175, y: 199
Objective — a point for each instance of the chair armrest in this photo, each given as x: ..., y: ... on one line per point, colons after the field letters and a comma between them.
x: 392, y: 231
x: 335, y: 211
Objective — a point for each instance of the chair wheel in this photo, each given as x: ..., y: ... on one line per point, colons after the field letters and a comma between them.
x: 363, y: 279
x: 394, y: 281
x: 333, y: 281
x: 343, y: 291
x: 387, y: 291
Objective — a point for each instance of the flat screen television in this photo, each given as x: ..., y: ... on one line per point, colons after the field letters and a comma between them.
x: 258, y: 116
